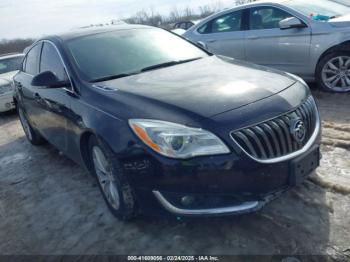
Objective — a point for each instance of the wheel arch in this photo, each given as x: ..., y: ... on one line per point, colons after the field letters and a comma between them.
x: 84, y: 148
x: 344, y: 46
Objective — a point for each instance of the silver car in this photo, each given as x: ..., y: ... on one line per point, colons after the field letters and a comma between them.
x: 9, y: 66
x: 307, y: 38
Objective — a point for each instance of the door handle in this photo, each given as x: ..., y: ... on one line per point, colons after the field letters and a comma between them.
x: 18, y: 85
x: 37, y: 97
x: 212, y: 41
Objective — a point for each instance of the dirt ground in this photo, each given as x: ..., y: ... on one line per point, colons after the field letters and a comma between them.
x: 49, y: 205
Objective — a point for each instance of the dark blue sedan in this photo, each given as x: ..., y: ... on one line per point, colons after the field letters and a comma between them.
x: 165, y: 126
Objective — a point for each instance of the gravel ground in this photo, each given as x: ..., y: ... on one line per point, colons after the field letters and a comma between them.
x: 49, y: 205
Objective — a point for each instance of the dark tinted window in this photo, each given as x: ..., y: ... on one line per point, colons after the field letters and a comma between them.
x: 266, y: 17
x: 10, y: 64
x: 32, y: 60
x: 189, y: 25
x: 227, y: 23
x: 128, y: 51
x: 51, y: 61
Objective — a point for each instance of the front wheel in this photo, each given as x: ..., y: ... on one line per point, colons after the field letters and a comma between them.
x: 33, y: 137
x: 112, y: 182
x: 333, y: 72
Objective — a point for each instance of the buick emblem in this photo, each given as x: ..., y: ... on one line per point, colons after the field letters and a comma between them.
x: 297, y: 129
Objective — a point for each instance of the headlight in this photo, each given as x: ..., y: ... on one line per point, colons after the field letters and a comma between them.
x: 177, y: 141
x: 5, y: 88
x: 297, y: 78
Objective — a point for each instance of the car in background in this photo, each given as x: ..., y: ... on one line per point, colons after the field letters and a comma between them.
x: 166, y: 127
x: 185, y: 25
x: 307, y: 38
x: 344, y: 2
x: 9, y: 66
x: 180, y: 28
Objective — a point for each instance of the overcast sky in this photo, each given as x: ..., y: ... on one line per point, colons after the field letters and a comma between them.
x: 33, y: 18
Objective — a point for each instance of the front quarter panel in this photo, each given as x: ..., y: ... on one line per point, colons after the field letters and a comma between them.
x: 324, y: 38
x: 89, y: 119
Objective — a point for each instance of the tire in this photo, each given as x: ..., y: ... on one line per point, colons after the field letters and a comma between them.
x: 33, y: 136
x: 117, y: 192
x: 334, y: 66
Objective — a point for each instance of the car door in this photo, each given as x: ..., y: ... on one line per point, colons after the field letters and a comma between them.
x: 23, y: 84
x: 53, y: 103
x: 224, y: 35
x: 267, y: 44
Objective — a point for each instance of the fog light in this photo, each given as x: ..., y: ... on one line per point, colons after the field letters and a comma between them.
x: 187, y: 200
x: 8, y: 105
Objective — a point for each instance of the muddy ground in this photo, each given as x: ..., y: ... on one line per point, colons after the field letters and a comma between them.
x: 49, y: 205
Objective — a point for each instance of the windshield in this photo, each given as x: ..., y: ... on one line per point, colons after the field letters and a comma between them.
x: 10, y: 64
x: 320, y: 10
x: 126, y: 52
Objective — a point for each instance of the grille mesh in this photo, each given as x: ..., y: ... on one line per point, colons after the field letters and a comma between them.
x: 274, y: 138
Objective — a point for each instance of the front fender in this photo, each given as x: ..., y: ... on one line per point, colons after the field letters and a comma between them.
x: 323, y: 43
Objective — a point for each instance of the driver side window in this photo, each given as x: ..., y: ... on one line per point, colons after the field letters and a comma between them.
x: 230, y: 22
x: 266, y: 17
x: 51, y: 61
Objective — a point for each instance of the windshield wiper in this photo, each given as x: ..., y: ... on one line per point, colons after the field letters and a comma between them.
x: 149, y: 68
x: 167, y: 64
x: 111, y: 77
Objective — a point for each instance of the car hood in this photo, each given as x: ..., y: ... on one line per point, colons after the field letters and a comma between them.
x: 8, y: 76
x: 206, y: 87
x: 4, y: 82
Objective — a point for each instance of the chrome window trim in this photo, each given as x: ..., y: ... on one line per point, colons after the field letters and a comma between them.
x: 60, y: 56
x: 287, y: 9
x: 307, y: 146
x: 71, y: 90
x: 244, y: 207
x: 25, y: 57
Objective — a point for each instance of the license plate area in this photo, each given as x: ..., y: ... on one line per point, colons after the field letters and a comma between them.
x: 303, y: 166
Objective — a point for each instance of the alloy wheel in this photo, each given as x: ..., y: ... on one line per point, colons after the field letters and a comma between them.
x: 105, y: 177
x: 336, y: 74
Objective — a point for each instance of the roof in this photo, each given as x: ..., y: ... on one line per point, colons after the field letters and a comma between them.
x: 11, y: 55
x: 93, y: 30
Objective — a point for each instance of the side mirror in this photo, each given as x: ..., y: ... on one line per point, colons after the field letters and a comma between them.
x: 49, y: 80
x: 291, y: 22
x: 202, y: 45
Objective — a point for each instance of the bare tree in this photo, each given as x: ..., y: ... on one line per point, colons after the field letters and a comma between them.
x: 14, y: 46
x: 175, y: 15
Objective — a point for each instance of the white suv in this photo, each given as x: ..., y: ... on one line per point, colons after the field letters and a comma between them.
x: 9, y: 65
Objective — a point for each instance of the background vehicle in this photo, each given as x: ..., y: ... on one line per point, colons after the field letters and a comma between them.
x: 181, y: 27
x: 165, y: 126
x: 9, y: 65
x: 307, y: 38
x: 185, y: 24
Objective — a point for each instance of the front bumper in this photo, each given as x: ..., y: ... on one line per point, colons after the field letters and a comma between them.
x: 220, y: 185
x: 6, y: 102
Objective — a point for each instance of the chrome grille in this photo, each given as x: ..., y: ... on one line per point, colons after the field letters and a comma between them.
x: 277, y: 137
